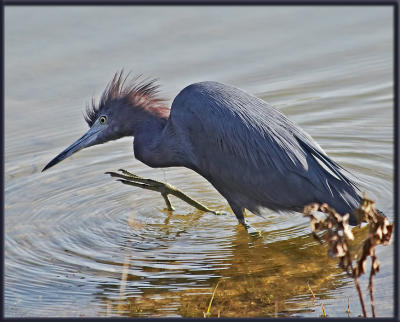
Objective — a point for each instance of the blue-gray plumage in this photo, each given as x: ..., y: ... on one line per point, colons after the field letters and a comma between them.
x: 247, y: 149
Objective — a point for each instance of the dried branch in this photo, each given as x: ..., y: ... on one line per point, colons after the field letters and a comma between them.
x: 337, y: 233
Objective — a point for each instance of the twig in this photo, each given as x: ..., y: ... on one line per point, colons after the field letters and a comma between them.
x: 338, y: 234
x: 370, y: 285
x: 207, y: 314
x: 323, y: 311
x: 360, y: 295
x: 124, y: 276
x: 312, y: 293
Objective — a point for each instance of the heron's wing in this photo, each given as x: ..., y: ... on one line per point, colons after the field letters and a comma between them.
x: 218, y: 121
x: 235, y: 122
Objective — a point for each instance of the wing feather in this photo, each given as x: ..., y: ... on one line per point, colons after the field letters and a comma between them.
x: 224, y: 125
x: 240, y: 124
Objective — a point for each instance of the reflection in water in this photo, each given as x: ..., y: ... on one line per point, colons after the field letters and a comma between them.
x: 260, y: 278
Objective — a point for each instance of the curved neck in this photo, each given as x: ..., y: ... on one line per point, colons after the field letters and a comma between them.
x: 149, y: 121
x: 151, y: 144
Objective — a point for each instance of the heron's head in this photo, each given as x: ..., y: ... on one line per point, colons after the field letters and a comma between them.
x: 120, y: 109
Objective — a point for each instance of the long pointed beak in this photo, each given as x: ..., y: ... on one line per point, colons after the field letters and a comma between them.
x: 88, y: 139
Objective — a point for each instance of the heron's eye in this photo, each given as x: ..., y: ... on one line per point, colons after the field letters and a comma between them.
x: 103, y: 120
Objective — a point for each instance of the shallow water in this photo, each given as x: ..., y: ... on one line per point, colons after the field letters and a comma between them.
x: 79, y: 244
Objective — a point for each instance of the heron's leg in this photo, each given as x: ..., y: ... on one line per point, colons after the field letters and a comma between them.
x: 164, y: 188
x: 239, y: 212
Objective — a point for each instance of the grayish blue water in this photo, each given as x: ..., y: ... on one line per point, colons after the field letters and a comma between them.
x: 72, y: 232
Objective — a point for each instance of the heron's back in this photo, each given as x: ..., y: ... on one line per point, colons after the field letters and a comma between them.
x: 253, y: 154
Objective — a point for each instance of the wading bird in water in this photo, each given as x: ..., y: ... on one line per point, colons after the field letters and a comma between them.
x: 247, y: 149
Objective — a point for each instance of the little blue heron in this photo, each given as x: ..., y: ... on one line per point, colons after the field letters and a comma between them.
x: 247, y: 149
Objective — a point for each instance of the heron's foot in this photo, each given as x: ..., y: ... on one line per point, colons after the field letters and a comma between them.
x: 164, y: 188
x: 221, y: 213
x: 134, y: 180
x: 251, y: 230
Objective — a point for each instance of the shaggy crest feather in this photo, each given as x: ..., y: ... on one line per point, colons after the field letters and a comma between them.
x: 141, y: 93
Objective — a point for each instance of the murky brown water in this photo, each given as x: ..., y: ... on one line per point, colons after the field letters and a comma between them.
x: 73, y: 235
